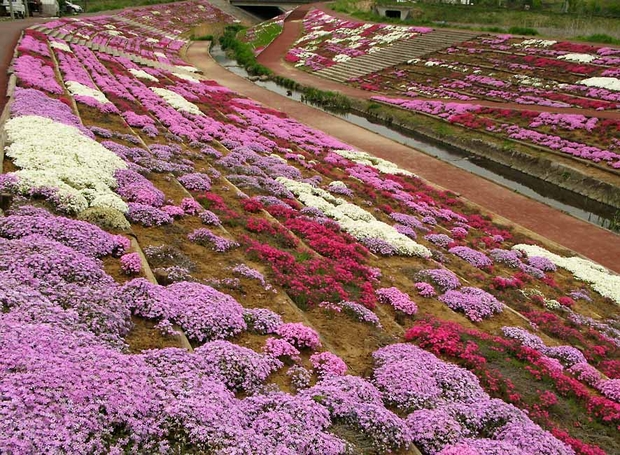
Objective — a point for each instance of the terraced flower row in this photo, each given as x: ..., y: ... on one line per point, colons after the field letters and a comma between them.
x: 588, y: 138
x: 328, y: 40
x: 508, y: 69
x: 287, y: 258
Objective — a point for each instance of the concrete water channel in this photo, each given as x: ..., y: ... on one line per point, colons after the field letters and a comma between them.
x: 547, y: 193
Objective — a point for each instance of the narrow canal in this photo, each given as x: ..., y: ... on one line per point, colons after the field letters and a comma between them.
x: 561, y: 199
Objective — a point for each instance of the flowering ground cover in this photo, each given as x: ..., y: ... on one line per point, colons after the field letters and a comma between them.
x: 502, y: 69
x: 154, y: 210
x: 509, y: 69
x: 591, y: 139
x: 328, y: 40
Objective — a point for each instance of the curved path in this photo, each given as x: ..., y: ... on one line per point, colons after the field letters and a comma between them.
x: 273, y: 58
x: 10, y: 31
x: 584, y: 238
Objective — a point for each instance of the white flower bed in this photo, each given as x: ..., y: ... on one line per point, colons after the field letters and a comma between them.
x: 78, y: 89
x: 579, y: 58
x: 143, y: 75
x: 177, y: 101
x: 535, y: 43
x: 190, y: 69
x: 186, y: 77
x: 55, y: 155
x: 602, y: 280
x: 353, y: 219
x: 61, y: 45
x: 384, y: 166
x: 341, y: 58
x: 610, y: 83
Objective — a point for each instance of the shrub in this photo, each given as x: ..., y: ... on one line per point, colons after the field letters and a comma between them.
x: 106, y: 218
x: 523, y: 31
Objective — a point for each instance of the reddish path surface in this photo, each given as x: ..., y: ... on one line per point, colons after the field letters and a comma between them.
x: 273, y: 58
x: 584, y: 238
x: 9, y: 35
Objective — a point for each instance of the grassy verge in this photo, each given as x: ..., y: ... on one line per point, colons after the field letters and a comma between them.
x: 265, y: 35
x: 242, y: 52
x: 600, y: 38
x: 202, y: 38
x: 490, y: 19
x: 331, y: 101
x: 94, y: 6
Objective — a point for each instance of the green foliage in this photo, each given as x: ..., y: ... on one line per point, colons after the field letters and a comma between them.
x: 94, y: 6
x: 528, y: 31
x: 494, y: 29
x: 331, y: 101
x: 266, y: 34
x: 243, y: 52
x: 287, y: 83
x: 601, y: 38
x: 202, y: 38
x: 486, y: 15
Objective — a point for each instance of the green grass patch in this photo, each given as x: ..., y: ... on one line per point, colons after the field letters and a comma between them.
x: 202, y: 38
x: 486, y: 16
x: 601, y: 38
x: 523, y: 31
x: 243, y: 52
x: 94, y: 6
x: 330, y: 101
x: 265, y: 35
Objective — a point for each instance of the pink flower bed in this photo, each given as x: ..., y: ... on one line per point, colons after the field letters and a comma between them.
x: 328, y: 40
x: 65, y: 320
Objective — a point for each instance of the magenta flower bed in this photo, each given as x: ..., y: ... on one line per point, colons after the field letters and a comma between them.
x: 66, y: 324
x: 498, y: 122
x: 329, y: 40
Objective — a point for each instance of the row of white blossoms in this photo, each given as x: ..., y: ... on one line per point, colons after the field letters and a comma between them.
x: 53, y: 155
x: 602, y: 280
x: 353, y: 219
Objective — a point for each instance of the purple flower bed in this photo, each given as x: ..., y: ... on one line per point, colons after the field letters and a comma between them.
x: 442, y: 278
x: 54, y: 282
x: 147, y: 215
x: 195, y: 181
x: 475, y: 303
x: 201, y: 311
x: 328, y: 364
x: 511, y: 258
x: 299, y: 335
x: 78, y: 235
x: 262, y: 320
x: 447, y: 407
x: 355, y: 310
x: 398, y: 300
x: 475, y: 258
x: 205, y: 237
x: 131, y: 263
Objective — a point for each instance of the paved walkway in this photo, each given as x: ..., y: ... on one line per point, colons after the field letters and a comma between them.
x: 9, y: 35
x: 273, y: 58
x: 587, y: 239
